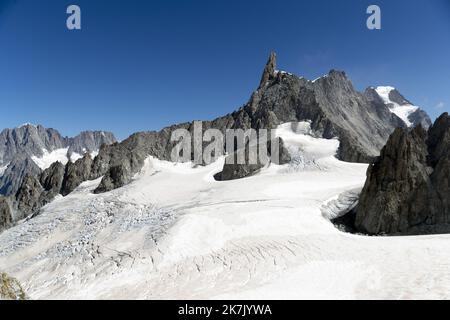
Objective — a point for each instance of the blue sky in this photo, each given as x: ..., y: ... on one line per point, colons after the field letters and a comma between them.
x: 140, y: 65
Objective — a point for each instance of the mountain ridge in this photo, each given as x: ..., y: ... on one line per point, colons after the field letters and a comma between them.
x: 330, y: 103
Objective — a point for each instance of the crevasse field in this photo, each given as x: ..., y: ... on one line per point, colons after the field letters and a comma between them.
x: 176, y: 233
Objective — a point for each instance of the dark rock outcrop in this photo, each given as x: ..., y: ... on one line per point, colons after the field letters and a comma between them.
x: 6, y: 219
x: 52, y: 178
x: 28, y: 197
x: 407, y: 189
x: 76, y: 173
x: 233, y: 170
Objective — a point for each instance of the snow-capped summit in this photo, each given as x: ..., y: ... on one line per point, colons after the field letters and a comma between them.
x: 410, y: 114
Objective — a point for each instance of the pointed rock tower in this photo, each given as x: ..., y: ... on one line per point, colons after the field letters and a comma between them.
x: 269, y: 70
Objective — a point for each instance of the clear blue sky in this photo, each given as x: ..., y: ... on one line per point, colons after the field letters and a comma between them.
x: 140, y: 65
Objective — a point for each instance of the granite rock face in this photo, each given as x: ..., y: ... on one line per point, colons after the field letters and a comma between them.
x: 407, y: 189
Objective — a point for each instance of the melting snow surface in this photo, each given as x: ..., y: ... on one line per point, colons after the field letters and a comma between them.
x: 403, y: 112
x: 176, y: 233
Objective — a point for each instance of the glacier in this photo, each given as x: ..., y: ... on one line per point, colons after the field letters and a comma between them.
x: 176, y: 233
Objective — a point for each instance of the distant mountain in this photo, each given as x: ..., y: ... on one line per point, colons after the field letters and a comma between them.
x: 29, y: 149
x: 410, y: 114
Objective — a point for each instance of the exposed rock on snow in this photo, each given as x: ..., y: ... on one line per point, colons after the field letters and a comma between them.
x: 10, y: 288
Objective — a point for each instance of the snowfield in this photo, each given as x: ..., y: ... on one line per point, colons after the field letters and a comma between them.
x: 176, y: 233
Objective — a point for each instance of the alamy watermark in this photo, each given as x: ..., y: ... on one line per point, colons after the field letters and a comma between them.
x: 73, y: 21
x: 374, y: 20
x: 249, y: 147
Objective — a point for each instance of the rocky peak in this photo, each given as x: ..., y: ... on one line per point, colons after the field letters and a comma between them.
x: 269, y: 70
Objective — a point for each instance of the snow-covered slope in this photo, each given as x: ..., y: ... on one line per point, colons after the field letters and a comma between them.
x: 403, y: 111
x: 60, y: 155
x: 47, y: 158
x: 175, y: 232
